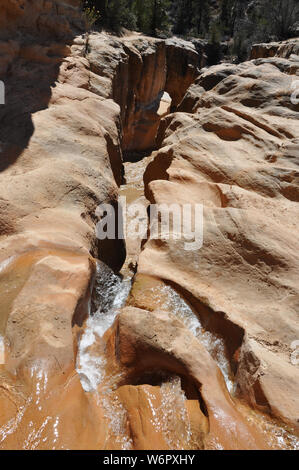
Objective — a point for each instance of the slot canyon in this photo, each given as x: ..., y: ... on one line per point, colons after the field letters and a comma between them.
x: 138, y: 344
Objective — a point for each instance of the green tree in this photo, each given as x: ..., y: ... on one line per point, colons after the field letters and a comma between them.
x: 282, y: 15
x: 191, y: 17
x: 159, y: 16
x: 152, y: 15
x: 114, y: 13
x: 143, y: 12
x: 243, y: 20
x: 228, y: 15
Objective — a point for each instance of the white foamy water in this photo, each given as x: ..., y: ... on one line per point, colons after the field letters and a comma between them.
x: 116, y: 415
x: 111, y: 294
x: 171, y: 417
x: 2, y: 350
x: 171, y: 301
x: 11, y: 426
x: 280, y: 437
x: 173, y: 412
x: 4, y: 264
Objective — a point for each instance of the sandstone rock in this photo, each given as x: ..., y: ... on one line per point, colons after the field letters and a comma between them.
x: 61, y: 156
x: 234, y: 149
x: 53, y: 149
x: 281, y: 49
x: 142, y: 69
x: 153, y: 341
x: 73, y: 103
x: 52, y: 17
x: 182, y: 68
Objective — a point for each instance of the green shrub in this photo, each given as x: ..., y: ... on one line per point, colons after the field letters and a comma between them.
x: 91, y: 14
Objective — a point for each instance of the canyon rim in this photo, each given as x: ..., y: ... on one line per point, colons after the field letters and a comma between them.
x: 134, y: 342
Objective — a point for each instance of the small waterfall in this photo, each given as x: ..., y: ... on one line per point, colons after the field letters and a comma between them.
x: 168, y: 299
x: 116, y: 415
x: 175, y: 421
x: 111, y: 293
x: 171, y: 417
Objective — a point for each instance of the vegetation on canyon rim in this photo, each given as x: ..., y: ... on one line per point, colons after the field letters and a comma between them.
x: 141, y: 344
x: 241, y: 22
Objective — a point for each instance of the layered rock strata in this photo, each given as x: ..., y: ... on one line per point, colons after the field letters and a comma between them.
x: 234, y: 148
x: 61, y: 156
x: 201, y: 358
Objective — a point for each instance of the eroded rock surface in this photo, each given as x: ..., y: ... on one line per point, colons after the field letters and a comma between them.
x: 234, y: 148
x: 53, y: 149
x: 142, y: 70
x: 279, y: 49
x: 61, y: 156
x: 200, y: 359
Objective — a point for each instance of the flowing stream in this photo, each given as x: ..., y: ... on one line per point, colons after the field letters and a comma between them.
x: 171, y: 301
x: 111, y: 294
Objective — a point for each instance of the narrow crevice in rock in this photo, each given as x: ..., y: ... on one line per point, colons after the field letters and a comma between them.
x: 217, y: 324
x: 147, y: 350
